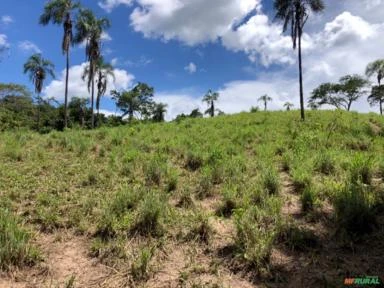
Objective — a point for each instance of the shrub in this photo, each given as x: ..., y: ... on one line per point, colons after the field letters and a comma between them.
x: 172, y: 181
x: 257, y: 229
x: 229, y: 203
x: 354, y: 209
x: 15, y: 249
x: 186, y: 200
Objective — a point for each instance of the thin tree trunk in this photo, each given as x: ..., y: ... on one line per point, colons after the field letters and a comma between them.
x: 349, y: 106
x: 265, y: 106
x: 381, y: 107
x: 301, y: 78
x: 38, y: 111
x: 66, y: 93
x: 92, y: 104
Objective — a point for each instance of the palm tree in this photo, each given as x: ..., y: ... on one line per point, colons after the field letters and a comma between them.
x: 265, y: 98
x: 38, y: 68
x: 294, y: 14
x: 89, y: 29
x: 376, y: 67
x: 159, y: 110
x: 210, y: 98
x: 103, y: 70
x: 59, y: 12
x: 288, y: 106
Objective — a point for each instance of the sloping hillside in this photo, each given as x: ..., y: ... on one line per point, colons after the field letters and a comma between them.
x: 249, y: 200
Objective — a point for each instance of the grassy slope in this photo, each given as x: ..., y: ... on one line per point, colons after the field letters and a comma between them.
x: 217, y: 183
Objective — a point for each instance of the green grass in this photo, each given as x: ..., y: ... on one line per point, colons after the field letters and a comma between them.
x: 152, y: 181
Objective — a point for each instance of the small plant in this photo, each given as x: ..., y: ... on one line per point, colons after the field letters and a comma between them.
x: 205, y: 186
x: 361, y: 170
x: 229, y: 204
x: 194, y: 161
x: 257, y: 229
x: 186, y: 200
x: 70, y: 283
x: 15, y: 249
x: 325, y: 164
x: 308, y: 197
x: 270, y: 181
x: 354, y: 209
x: 150, y: 215
x: 203, y: 230
x: 301, y: 179
x: 172, y: 181
x: 297, y: 238
x: 140, y: 267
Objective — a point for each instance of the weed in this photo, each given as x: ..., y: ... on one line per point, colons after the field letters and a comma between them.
x: 140, y: 267
x: 15, y: 249
x: 270, y: 181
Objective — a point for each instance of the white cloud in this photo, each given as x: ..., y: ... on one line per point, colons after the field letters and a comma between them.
x: 114, y: 61
x: 4, y: 42
x: 191, y: 68
x: 344, y: 45
x: 192, y: 22
x: 78, y: 88
x: 141, y: 62
x: 109, y: 5
x: 28, y: 46
x: 6, y: 19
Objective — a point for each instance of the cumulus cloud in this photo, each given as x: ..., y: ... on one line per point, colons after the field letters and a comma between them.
x: 28, y: 46
x: 6, y: 19
x: 191, y: 68
x: 78, y: 88
x: 109, y: 5
x: 191, y: 22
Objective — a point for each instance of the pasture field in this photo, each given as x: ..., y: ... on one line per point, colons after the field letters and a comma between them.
x: 248, y: 200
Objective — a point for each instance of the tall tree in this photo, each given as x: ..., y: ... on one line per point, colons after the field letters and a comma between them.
x: 137, y: 100
x: 340, y: 95
x: 159, y: 110
x: 103, y: 71
x: 38, y: 68
x: 294, y: 14
x: 60, y: 12
x: 376, y: 97
x: 210, y: 98
x: 265, y: 99
x: 89, y: 29
x: 376, y: 68
x: 288, y: 106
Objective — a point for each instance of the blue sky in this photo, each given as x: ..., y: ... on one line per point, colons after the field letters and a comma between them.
x: 183, y: 48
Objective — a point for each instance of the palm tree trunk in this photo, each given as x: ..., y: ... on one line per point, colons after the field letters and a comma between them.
x: 381, y: 107
x: 38, y: 111
x: 301, y: 78
x: 265, y: 106
x: 92, y: 104
x: 66, y: 93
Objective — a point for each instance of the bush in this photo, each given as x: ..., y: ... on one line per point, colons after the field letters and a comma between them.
x: 301, y: 179
x: 205, y: 186
x: 202, y: 230
x: 15, y: 249
x: 297, y: 238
